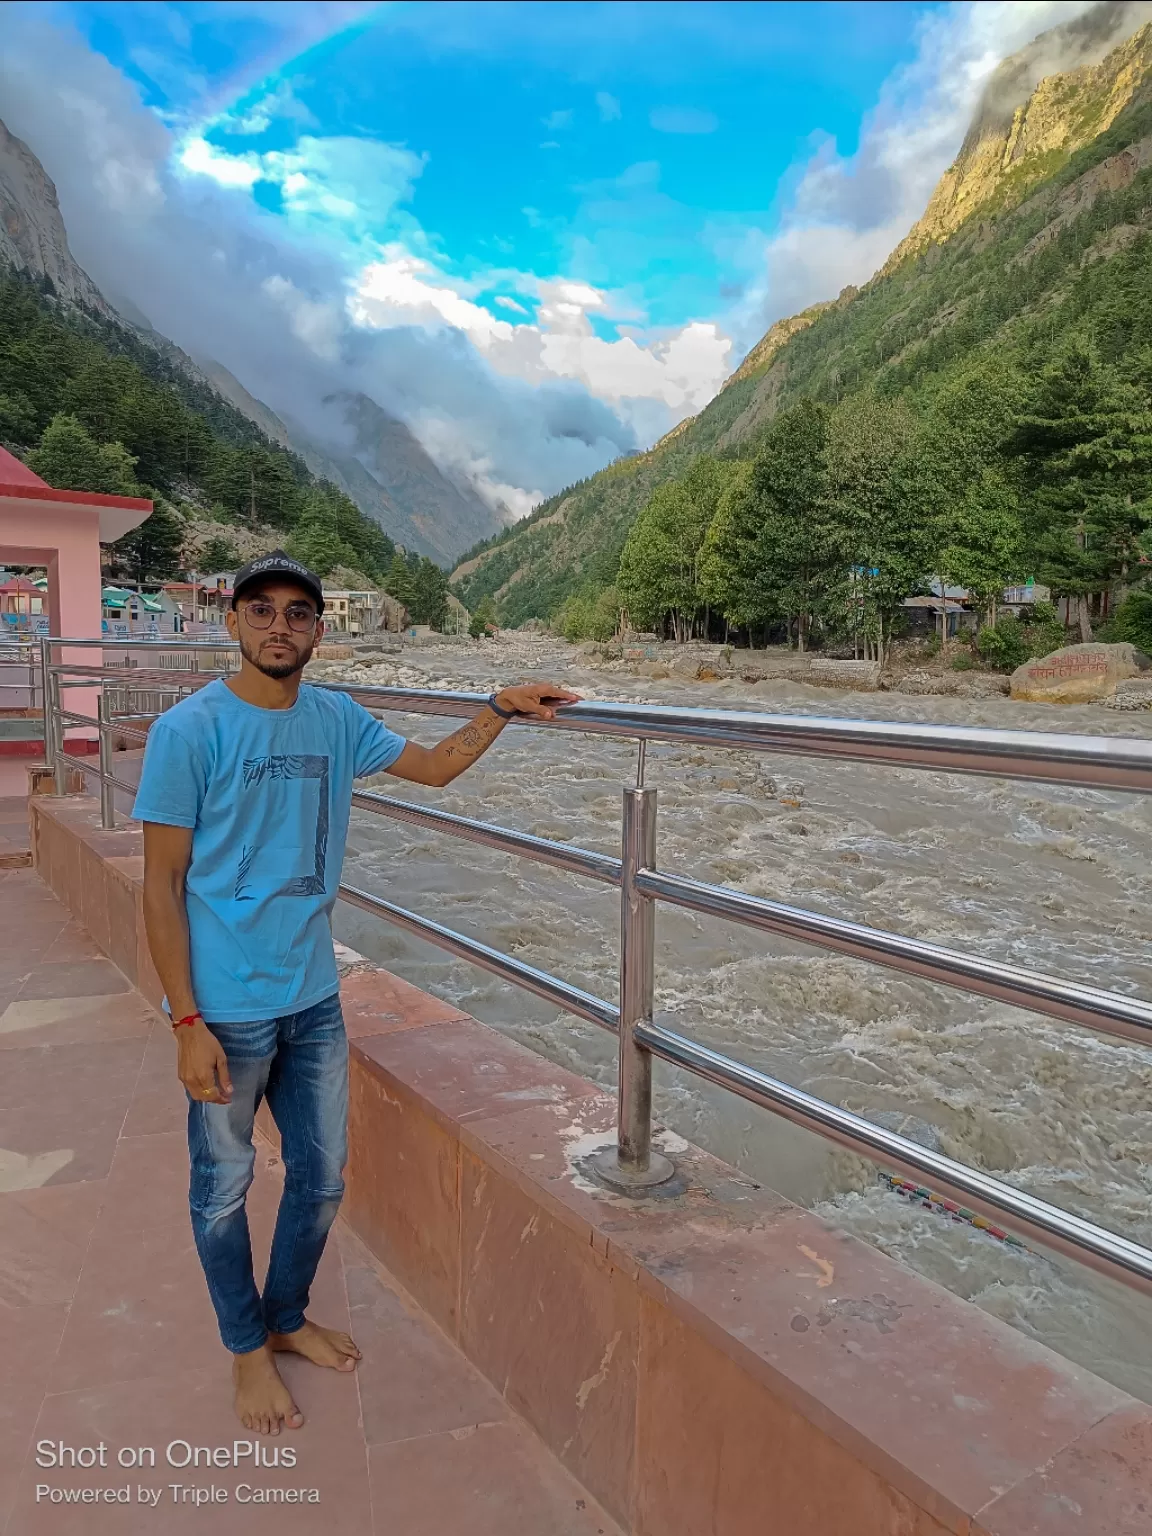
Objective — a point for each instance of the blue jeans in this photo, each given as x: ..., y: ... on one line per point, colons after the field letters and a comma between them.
x: 300, y: 1063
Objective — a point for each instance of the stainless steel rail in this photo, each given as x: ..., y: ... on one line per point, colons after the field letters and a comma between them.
x: 1112, y: 1013
x: 1095, y: 763
x: 550, y: 988
x: 1104, y: 1251
x: 1088, y: 762
x: 577, y: 861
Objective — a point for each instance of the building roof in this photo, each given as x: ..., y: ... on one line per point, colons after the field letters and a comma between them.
x: 14, y: 472
x: 117, y: 514
x: 21, y: 584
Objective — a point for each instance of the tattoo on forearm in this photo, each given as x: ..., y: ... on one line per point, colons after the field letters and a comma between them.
x: 474, y: 738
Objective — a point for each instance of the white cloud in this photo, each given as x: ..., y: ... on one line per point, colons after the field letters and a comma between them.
x: 847, y: 214
x: 276, y: 105
x: 318, y: 323
x: 679, y: 370
x: 506, y: 303
x: 608, y: 107
x: 562, y: 119
x: 199, y: 158
x: 683, y: 120
x: 341, y: 180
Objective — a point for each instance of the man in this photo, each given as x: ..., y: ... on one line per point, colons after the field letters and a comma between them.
x: 245, y: 797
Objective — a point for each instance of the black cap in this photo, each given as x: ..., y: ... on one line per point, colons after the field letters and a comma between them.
x: 277, y: 563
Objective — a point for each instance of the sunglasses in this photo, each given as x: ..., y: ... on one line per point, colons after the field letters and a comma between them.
x: 300, y: 616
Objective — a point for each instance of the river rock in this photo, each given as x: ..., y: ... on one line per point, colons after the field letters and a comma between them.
x: 1134, y: 694
x: 1077, y: 674
x: 861, y: 675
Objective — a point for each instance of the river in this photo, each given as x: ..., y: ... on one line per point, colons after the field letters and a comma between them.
x: 1056, y: 879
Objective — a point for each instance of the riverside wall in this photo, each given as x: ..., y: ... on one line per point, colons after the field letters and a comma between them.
x: 718, y: 1362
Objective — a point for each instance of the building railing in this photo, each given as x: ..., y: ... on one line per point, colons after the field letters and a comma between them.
x: 1098, y: 763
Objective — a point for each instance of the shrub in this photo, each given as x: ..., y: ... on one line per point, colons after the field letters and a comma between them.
x: 1004, y: 645
x: 1132, y: 621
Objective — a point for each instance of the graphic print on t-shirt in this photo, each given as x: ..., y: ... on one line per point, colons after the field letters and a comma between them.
x: 261, y: 863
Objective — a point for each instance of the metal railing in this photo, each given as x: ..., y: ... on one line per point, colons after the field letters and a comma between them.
x: 1097, y: 763
x: 21, y: 653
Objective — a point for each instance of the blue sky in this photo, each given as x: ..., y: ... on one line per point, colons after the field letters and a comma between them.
x: 626, y: 146
x: 540, y: 233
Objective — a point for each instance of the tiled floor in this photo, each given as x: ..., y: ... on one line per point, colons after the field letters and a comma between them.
x: 106, y: 1333
x: 13, y: 829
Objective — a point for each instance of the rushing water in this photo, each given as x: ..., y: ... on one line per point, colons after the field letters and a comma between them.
x: 1056, y: 879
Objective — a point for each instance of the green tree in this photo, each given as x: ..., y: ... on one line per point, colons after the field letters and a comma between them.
x: 483, y: 619
x: 660, y: 577
x: 219, y: 554
x: 793, y: 561
x: 318, y: 546
x: 984, y: 541
x: 429, y: 594
x: 70, y: 459
x: 883, y: 505
x: 18, y: 422
x: 150, y: 552
x: 398, y: 580
x: 589, y: 615
x: 727, y: 566
x: 1086, y: 447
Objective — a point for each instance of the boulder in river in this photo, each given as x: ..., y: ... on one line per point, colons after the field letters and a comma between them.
x: 827, y: 672
x: 1077, y: 674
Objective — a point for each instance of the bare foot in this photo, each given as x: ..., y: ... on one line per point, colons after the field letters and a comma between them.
x: 323, y: 1346
x: 262, y: 1400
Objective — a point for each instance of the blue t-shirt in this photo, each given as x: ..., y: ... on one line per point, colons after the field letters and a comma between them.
x: 268, y: 793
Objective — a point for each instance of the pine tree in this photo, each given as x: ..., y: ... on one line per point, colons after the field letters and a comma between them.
x: 70, y: 459
x: 793, y: 559
x: 483, y: 619
x: 152, y: 551
x: 1086, y: 446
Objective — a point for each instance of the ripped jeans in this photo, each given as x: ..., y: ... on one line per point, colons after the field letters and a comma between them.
x: 300, y: 1062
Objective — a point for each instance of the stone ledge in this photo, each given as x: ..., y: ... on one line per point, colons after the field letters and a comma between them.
x: 709, y: 1365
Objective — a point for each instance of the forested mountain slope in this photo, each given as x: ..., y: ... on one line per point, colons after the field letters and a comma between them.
x: 1039, y: 234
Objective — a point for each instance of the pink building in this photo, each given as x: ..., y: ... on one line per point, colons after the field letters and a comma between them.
x: 63, y: 531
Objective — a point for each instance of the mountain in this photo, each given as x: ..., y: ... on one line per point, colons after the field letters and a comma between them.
x: 1040, y: 229
x: 381, y: 466
x: 32, y: 234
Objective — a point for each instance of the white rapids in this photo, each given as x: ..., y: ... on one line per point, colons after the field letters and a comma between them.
x: 1055, y: 879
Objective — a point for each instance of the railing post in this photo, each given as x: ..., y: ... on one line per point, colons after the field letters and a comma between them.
x: 107, y: 792
x: 631, y: 1164
x: 56, y: 726
x: 45, y: 663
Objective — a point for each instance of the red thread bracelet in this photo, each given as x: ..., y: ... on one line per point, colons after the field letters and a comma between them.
x: 189, y: 1018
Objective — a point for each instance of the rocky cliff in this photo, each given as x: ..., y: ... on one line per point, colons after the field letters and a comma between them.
x: 32, y: 234
x: 1030, y: 123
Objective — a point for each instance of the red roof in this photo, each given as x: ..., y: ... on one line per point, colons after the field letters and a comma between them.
x: 20, y: 584
x: 13, y: 472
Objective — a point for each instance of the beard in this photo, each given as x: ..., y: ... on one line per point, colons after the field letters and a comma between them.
x: 278, y: 669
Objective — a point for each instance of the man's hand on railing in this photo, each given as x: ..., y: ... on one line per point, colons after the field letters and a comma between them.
x: 448, y: 759
x: 537, y: 700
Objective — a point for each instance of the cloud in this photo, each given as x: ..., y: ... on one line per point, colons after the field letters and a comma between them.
x: 679, y: 369
x: 845, y: 214
x: 562, y: 119
x: 682, y: 120
x: 277, y: 105
x: 608, y: 107
x: 171, y: 223
x: 355, y: 183
x: 506, y: 303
